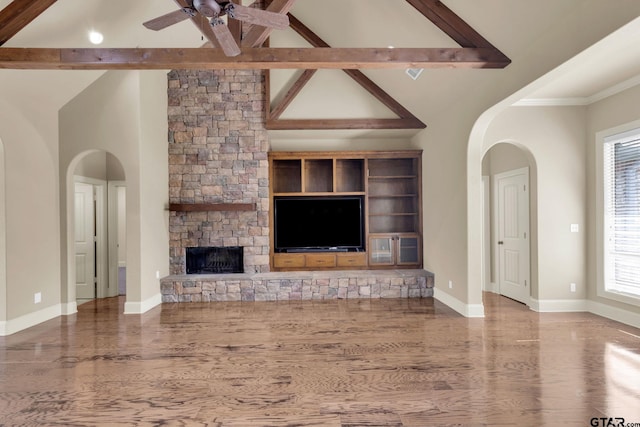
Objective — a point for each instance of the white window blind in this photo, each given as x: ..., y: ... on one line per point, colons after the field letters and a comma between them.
x: 622, y: 212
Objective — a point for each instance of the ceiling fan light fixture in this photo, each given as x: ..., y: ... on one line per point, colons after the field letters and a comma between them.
x: 96, y: 37
x: 209, y: 8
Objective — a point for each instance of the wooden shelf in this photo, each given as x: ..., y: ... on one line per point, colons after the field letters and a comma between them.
x: 211, y: 207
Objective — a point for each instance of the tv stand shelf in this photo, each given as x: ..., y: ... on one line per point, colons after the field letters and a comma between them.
x: 388, y: 183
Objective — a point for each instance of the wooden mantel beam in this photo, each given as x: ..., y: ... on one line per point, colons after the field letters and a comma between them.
x: 251, y: 58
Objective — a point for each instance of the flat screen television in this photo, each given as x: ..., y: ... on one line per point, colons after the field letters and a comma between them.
x: 304, y: 224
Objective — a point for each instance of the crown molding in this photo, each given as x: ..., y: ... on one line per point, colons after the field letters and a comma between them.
x: 580, y: 101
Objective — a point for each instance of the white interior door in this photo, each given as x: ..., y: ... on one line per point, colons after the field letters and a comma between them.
x: 85, y: 241
x: 512, y: 194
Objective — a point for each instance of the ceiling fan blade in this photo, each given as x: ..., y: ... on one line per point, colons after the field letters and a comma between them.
x: 255, y: 16
x: 169, y: 19
x: 225, y: 38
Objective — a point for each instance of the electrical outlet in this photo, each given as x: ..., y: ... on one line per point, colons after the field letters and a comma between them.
x: 573, y: 287
x: 37, y: 298
x: 450, y: 284
x: 575, y: 228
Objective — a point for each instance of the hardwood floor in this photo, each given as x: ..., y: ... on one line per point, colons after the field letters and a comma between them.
x: 405, y: 362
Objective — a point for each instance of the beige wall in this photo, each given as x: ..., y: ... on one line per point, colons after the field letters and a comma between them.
x: 31, y: 205
x: 503, y: 157
x: 154, y: 185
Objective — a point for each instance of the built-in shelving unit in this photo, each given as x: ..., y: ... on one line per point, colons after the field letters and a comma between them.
x: 394, y: 211
x: 389, y: 183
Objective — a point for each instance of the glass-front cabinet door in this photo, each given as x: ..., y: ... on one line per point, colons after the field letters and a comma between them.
x: 381, y: 250
x: 394, y: 249
x: 408, y: 249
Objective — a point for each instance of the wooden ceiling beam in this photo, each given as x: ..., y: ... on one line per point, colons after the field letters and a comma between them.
x: 256, y: 58
x: 257, y: 35
x: 348, y: 124
x: 19, y: 14
x: 450, y: 23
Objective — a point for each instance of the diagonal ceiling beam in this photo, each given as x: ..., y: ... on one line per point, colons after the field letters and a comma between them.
x: 408, y: 120
x: 256, y: 58
x: 18, y: 14
x: 257, y: 35
x: 275, y: 112
x: 450, y: 23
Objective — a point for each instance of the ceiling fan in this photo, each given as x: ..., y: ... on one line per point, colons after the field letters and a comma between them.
x: 206, y: 14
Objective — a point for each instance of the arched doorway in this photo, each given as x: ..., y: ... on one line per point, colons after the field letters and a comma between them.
x: 509, y: 232
x: 95, y: 235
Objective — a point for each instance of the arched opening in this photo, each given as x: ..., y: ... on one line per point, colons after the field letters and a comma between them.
x: 509, y: 226
x: 96, y: 226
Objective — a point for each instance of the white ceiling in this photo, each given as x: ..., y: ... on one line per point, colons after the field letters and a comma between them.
x: 511, y: 25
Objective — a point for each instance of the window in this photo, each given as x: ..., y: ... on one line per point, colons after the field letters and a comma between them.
x: 621, y: 222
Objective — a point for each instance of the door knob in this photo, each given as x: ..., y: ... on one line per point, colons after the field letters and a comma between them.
x: 501, y: 242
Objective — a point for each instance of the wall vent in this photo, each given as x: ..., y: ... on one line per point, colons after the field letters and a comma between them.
x: 414, y: 73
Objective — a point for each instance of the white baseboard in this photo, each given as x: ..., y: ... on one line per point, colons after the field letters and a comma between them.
x: 69, y: 308
x: 144, y: 306
x: 467, y: 310
x: 28, y: 320
x: 491, y: 287
x: 619, y: 315
x: 559, y: 305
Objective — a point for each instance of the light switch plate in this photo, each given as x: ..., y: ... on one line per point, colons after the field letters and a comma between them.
x: 575, y: 228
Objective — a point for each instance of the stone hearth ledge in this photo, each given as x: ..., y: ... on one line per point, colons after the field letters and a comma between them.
x: 297, y: 285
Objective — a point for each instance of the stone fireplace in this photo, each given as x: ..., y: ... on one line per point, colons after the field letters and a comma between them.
x: 217, y: 161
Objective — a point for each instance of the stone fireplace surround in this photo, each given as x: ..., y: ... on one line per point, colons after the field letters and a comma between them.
x: 218, y: 148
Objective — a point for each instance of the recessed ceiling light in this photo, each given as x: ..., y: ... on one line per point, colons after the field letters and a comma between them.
x: 95, y: 37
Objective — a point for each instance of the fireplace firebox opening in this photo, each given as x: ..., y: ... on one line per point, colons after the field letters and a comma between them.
x: 215, y: 260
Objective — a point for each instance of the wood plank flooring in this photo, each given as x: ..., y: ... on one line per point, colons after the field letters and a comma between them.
x: 405, y: 362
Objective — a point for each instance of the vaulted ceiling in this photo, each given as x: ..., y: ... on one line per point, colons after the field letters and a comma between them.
x: 509, y: 25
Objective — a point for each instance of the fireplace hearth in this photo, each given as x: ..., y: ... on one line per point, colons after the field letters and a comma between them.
x: 215, y: 260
